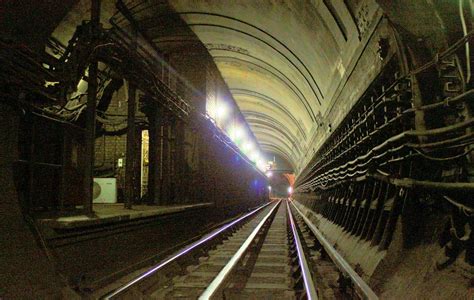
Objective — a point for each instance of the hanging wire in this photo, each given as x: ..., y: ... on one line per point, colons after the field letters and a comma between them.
x: 443, y: 158
x: 464, y: 29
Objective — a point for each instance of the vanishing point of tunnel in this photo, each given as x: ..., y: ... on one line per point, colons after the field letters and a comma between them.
x: 236, y: 149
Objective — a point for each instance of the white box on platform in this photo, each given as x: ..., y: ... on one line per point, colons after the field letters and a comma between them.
x: 105, y: 190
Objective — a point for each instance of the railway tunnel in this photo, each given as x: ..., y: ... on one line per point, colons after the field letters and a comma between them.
x: 205, y: 149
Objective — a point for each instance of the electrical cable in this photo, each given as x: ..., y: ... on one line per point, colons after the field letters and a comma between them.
x: 446, y: 52
x: 340, y: 174
x: 444, y: 158
x: 464, y: 29
x: 450, y: 50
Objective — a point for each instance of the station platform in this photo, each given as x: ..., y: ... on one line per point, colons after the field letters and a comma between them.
x: 113, y: 213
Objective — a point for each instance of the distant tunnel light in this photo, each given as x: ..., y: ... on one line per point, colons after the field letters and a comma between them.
x: 290, y: 190
x: 270, y: 188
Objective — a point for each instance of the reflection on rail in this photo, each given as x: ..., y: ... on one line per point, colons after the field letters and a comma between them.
x: 363, y: 289
x: 182, y: 252
x: 265, y: 253
x: 220, y: 279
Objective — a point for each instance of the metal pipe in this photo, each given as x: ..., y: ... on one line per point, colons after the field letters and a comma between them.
x: 91, y: 114
x: 154, y: 168
x: 433, y: 185
x: 166, y: 160
x: 130, y: 156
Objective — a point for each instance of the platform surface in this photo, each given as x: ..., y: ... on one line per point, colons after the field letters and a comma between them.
x: 111, y: 213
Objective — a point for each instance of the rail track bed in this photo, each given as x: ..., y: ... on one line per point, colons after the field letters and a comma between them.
x: 266, y: 272
x: 273, y: 254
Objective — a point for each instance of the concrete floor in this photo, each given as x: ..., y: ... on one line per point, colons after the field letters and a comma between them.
x: 110, y: 213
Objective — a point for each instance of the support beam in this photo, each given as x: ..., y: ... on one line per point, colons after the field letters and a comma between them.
x: 174, y: 178
x: 154, y: 171
x: 91, y: 114
x: 180, y: 181
x: 131, y: 146
x: 166, y: 160
x: 31, y: 166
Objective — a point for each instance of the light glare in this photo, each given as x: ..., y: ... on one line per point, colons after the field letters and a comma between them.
x: 222, y: 110
x: 247, y: 146
x: 261, y: 165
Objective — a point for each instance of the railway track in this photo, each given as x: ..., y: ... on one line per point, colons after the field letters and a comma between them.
x: 273, y: 252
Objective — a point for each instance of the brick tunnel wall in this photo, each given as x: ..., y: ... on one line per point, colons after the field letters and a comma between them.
x: 108, y: 149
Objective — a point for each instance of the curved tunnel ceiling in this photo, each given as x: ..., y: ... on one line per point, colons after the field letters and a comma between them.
x: 279, y: 65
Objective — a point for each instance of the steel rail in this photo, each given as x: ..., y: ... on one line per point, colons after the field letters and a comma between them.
x: 305, y: 271
x: 218, y: 281
x: 180, y: 253
x: 342, y: 264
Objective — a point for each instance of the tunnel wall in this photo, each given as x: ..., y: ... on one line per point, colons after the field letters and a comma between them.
x: 365, y: 73
x: 390, y: 209
x: 188, y: 167
x: 26, y: 270
x: 215, y: 172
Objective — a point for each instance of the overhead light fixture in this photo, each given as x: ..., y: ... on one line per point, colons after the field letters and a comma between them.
x: 221, y: 110
x: 238, y: 132
x: 247, y: 146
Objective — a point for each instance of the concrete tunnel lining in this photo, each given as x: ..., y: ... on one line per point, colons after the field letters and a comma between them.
x: 252, y: 52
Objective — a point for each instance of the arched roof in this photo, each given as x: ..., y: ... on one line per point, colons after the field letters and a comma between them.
x: 281, y: 59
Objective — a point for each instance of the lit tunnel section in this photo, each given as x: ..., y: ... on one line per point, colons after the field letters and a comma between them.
x: 225, y: 114
x: 282, y: 72
x: 272, y: 78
